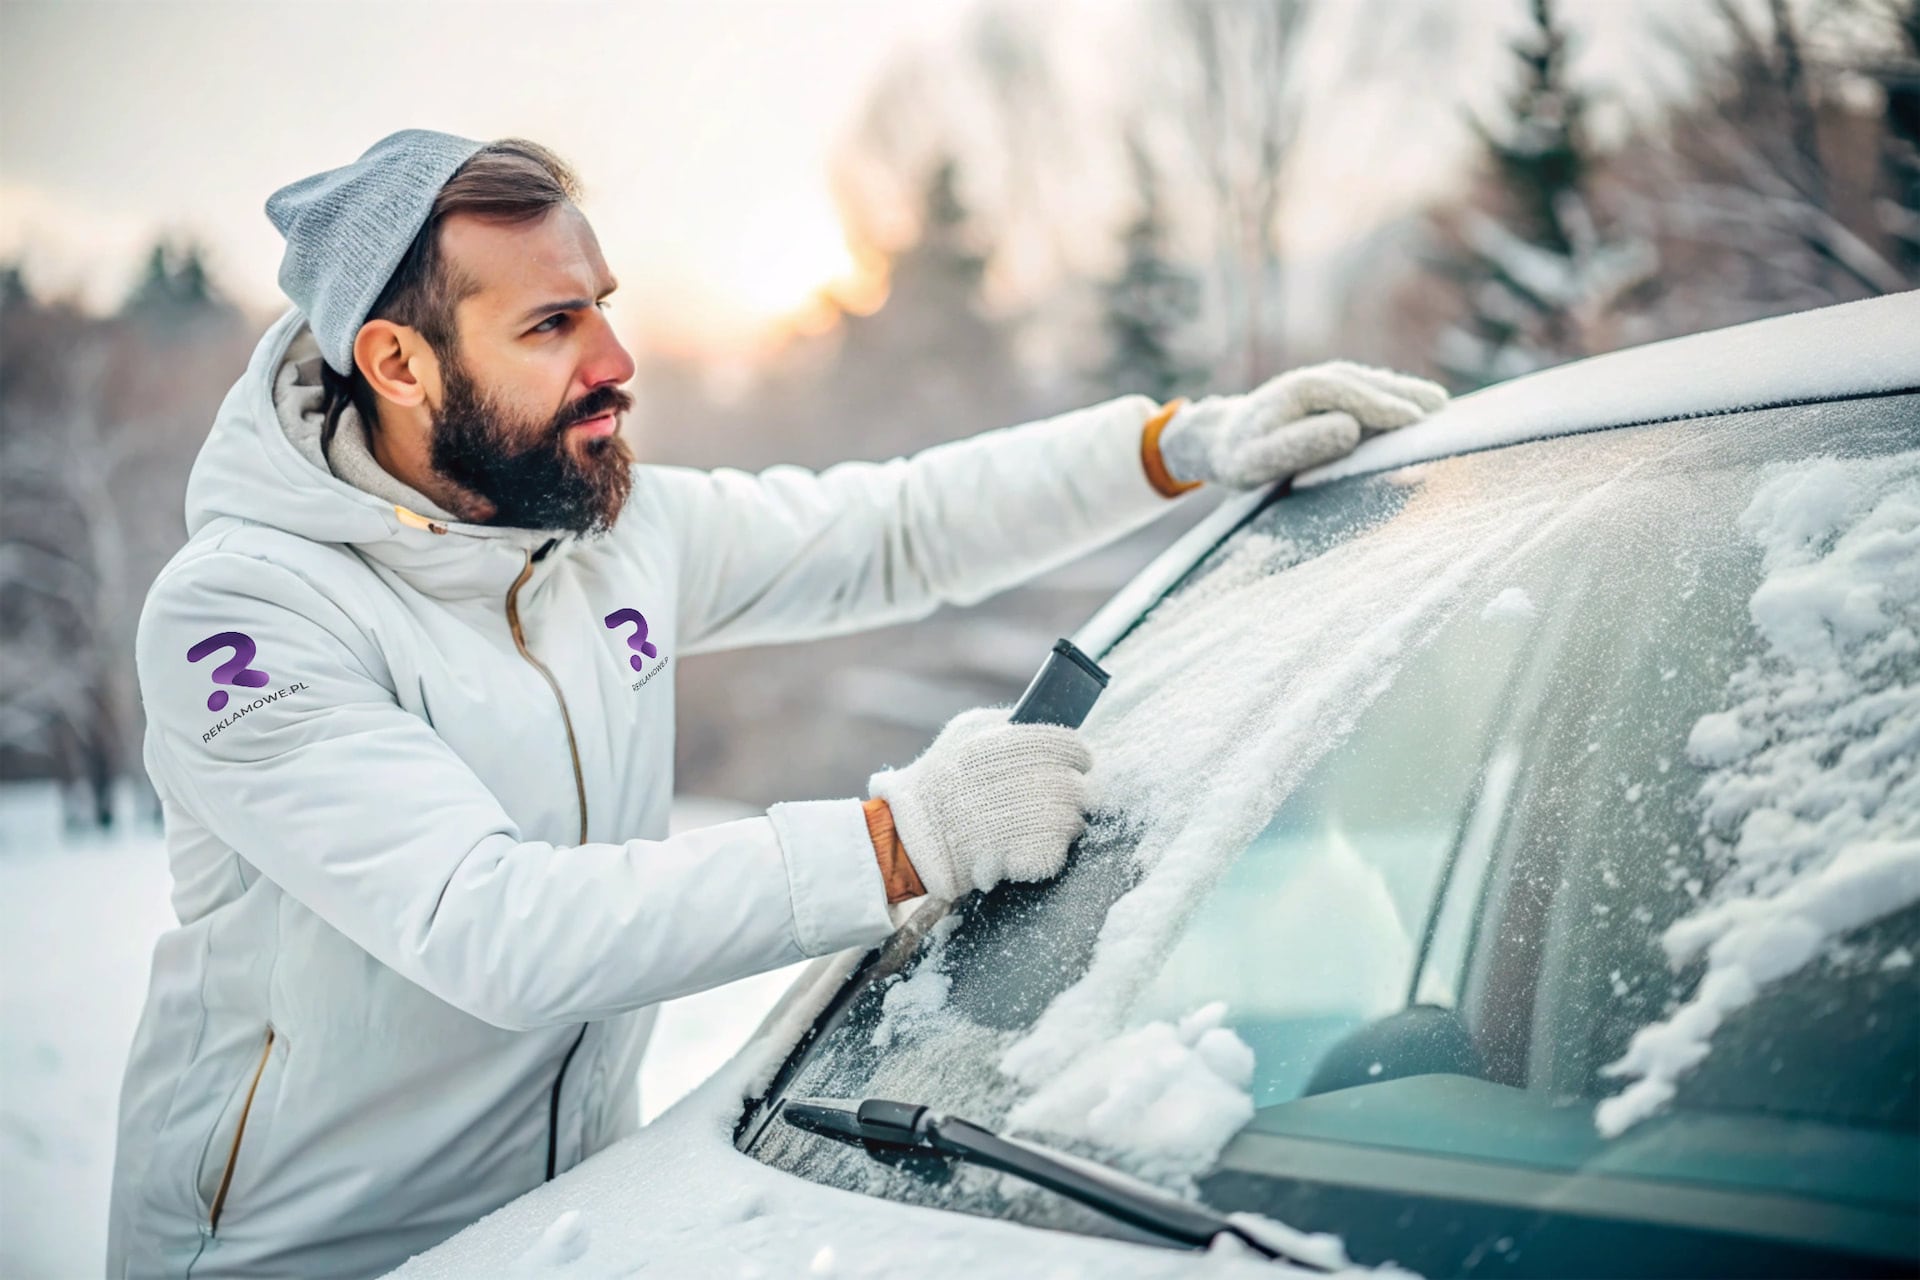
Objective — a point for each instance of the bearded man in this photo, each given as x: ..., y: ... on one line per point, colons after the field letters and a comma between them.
x: 410, y: 714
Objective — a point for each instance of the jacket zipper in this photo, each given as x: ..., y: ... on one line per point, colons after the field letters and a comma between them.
x: 239, y: 1131
x: 553, y: 1105
x: 566, y: 719
x: 580, y: 793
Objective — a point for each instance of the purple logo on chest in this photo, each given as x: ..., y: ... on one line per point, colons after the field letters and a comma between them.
x: 638, y: 642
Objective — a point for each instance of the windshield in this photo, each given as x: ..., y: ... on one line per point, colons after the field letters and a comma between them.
x: 1550, y: 809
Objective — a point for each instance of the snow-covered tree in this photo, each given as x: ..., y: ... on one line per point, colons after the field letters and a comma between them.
x: 1238, y: 99
x: 100, y: 418
x: 63, y: 550
x: 1151, y: 303
x: 1541, y: 276
x: 1781, y: 182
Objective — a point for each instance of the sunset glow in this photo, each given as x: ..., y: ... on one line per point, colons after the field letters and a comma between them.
x: 711, y: 207
x: 780, y: 268
x: 791, y: 267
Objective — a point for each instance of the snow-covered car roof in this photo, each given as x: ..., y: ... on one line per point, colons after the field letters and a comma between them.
x: 1853, y: 349
x: 1856, y: 348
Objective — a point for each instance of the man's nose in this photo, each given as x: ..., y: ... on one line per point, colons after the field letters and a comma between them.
x: 608, y: 361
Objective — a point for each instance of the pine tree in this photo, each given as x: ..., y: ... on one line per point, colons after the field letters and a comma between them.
x: 1541, y: 157
x: 1150, y: 302
x: 1537, y: 275
x: 933, y: 362
x: 945, y: 260
x: 156, y: 282
x: 13, y: 285
x: 176, y: 288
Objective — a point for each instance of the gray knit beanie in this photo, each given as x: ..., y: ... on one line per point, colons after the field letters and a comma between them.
x: 348, y: 228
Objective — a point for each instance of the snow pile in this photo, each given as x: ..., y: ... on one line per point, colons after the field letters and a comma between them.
x: 1168, y: 1095
x: 1511, y: 605
x: 1811, y: 806
x: 559, y: 1246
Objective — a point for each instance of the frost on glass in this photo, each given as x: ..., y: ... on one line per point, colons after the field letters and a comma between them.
x: 1810, y: 807
x: 1400, y: 795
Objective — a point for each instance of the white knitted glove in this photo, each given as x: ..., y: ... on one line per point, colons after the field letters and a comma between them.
x: 988, y: 801
x: 1301, y: 419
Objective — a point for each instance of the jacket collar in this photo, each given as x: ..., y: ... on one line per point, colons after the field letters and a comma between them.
x: 262, y: 463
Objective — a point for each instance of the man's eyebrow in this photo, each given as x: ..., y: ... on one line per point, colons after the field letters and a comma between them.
x: 570, y: 304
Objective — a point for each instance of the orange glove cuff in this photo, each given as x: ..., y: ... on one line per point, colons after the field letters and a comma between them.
x: 896, y: 872
x: 1156, y: 468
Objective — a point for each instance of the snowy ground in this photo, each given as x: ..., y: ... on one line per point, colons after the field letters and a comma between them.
x: 78, y: 918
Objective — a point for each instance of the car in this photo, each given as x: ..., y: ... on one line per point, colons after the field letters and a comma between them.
x: 1504, y: 860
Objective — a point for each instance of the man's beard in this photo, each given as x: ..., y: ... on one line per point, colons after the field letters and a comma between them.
x: 529, y: 473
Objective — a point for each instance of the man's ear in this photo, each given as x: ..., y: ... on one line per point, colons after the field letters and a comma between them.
x: 396, y: 361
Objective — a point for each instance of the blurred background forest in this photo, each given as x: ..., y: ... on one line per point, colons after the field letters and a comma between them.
x: 1031, y: 228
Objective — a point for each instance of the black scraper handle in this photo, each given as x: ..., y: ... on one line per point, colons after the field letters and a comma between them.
x: 1064, y: 691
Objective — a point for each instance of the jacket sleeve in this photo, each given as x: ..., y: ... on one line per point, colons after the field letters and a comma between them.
x: 790, y: 554
x: 318, y: 779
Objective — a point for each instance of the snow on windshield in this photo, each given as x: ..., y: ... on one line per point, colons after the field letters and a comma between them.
x: 1221, y: 702
x: 1235, y: 691
x: 1512, y: 605
x: 1810, y: 810
x: 1169, y: 1094
x: 911, y: 1003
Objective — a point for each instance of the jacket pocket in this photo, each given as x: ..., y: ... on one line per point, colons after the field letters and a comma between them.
x: 222, y: 1155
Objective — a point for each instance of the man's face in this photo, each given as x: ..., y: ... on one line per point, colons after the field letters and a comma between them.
x: 531, y: 400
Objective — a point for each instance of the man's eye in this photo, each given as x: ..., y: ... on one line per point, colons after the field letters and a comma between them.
x: 542, y: 327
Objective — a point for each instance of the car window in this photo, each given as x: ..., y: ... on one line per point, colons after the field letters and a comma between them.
x: 1552, y: 807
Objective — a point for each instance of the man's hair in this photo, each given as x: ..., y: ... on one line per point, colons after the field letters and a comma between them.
x: 510, y: 181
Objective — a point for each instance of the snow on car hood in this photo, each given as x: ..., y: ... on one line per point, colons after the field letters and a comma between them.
x: 678, y: 1200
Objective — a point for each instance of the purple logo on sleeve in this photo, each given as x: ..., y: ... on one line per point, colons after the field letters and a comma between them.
x: 638, y: 642
x: 236, y: 670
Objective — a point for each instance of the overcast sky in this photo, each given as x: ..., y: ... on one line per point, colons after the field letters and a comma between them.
x: 701, y: 129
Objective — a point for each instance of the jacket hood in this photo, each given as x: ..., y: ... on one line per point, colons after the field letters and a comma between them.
x: 263, y: 463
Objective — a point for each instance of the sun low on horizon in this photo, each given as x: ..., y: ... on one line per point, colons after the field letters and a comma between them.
x: 778, y: 267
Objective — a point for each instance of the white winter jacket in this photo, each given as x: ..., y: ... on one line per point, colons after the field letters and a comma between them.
x: 416, y: 775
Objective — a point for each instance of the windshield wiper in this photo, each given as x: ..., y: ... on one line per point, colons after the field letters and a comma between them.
x: 906, y: 1133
